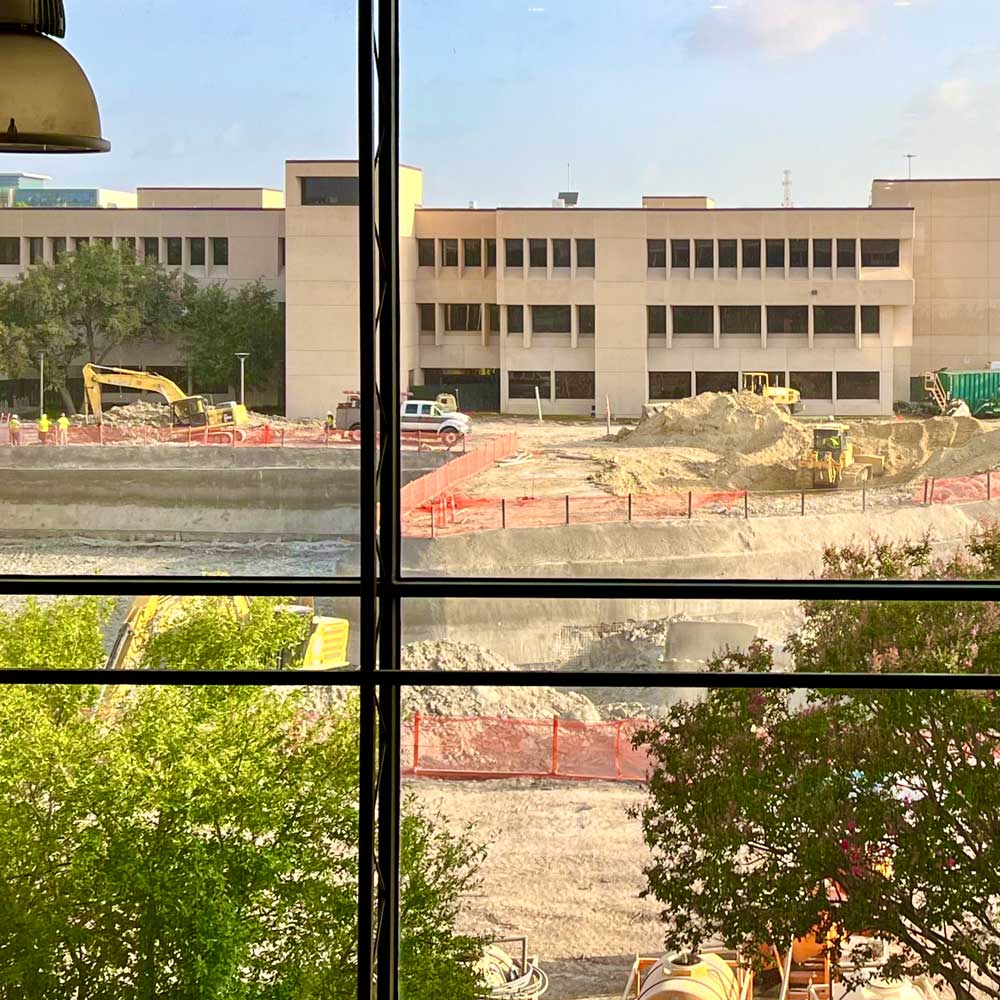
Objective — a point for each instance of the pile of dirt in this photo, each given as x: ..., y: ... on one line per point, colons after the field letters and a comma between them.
x: 447, y: 655
x: 138, y: 414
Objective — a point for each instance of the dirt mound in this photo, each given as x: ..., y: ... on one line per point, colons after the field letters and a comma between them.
x: 138, y: 414
x: 442, y: 654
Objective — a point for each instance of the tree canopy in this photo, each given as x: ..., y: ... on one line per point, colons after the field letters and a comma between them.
x: 773, y: 815
x: 189, y: 842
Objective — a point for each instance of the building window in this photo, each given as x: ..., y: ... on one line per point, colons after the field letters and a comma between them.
x: 812, y: 385
x: 788, y: 319
x: 586, y: 253
x: 10, y: 250
x: 425, y: 253
x: 656, y: 320
x: 281, y: 252
x: 550, y: 319
x: 880, y: 253
x: 751, y: 253
x: 694, y: 319
x: 798, y: 253
x: 857, y: 385
x: 515, y: 319
x: 704, y: 254
x: 669, y: 385
x: 449, y: 253
x: 585, y: 322
x: 822, y: 253
x: 560, y: 253
x: 680, y: 254
x: 870, y: 319
x: 522, y: 385
x: 716, y: 381
x: 58, y: 246
x: 127, y: 242
x: 196, y: 247
x: 463, y: 317
x: 174, y: 250
x: 513, y: 253
x: 220, y: 251
x: 739, y: 319
x: 727, y: 253
x: 575, y: 385
x: 656, y: 254
x: 833, y: 319
x: 330, y: 191
x: 428, y: 317
x: 493, y: 318
x: 538, y: 253
x: 36, y: 249
x: 472, y: 253
x: 846, y: 253
x: 776, y: 254
x: 491, y: 253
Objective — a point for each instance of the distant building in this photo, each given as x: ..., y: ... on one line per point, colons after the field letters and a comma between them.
x: 32, y: 191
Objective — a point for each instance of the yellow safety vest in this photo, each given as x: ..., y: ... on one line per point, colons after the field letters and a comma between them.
x: 63, y: 423
x: 43, y: 424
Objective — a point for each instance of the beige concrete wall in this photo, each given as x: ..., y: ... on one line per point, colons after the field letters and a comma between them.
x: 956, y: 317
x: 106, y: 198
x: 208, y: 197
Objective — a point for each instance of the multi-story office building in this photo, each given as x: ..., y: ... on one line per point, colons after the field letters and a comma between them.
x: 587, y: 305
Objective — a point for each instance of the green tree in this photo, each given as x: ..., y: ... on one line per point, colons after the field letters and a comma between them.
x: 54, y: 635
x: 86, y: 304
x: 219, y: 324
x: 762, y: 805
x: 198, y: 842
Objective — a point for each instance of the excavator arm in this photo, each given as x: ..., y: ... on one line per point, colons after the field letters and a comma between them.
x: 94, y: 376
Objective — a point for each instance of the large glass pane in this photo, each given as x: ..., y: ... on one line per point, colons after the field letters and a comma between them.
x: 212, y: 282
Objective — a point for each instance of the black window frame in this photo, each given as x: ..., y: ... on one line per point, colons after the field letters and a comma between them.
x: 425, y: 244
x: 538, y: 253
x: 472, y: 252
x: 823, y: 320
x: 10, y: 251
x: 704, y: 255
x: 175, y: 251
x: 798, y: 253
x: 547, y: 306
x: 561, y: 381
x: 729, y: 255
x: 681, y: 378
x: 843, y: 392
x: 775, y: 250
x: 329, y: 192
x: 36, y: 250
x: 739, y: 320
x: 751, y: 253
x: 680, y: 255
x: 562, y: 253
x: 381, y: 588
x: 847, y: 253
x: 220, y: 251
x: 529, y: 379
x: 871, y: 319
x: 822, y: 252
x: 656, y: 321
x: 879, y: 253
x: 423, y: 310
x: 781, y: 315
x: 491, y: 252
x: 586, y: 253
x: 586, y: 320
x: 449, y: 251
x: 513, y: 248
x: 682, y: 314
x: 151, y: 243
x: 196, y: 249
x: 805, y: 382
x: 656, y: 255
x: 515, y: 318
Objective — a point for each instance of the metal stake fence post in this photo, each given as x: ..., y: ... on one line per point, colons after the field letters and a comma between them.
x: 567, y: 508
x: 432, y: 519
x: 802, y: 503
x: 282, y: 437
x: 618, y: 749
x: 933, y: 481
x: 690, y: 504
x: 503, y: 513
x: 989, y: 485
x: 630, y: 508
x: 925, y: 492
x: 746, y: 505
x: 416, y: 741
x: 864, y: 498
x: 555, y: 744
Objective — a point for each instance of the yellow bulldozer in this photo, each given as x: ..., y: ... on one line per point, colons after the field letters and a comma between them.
x: 325, y: 648
x: 759, y: 383
x: 832, y: 462
x: 186, y: 411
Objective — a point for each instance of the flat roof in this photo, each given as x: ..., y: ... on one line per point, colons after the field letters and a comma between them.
x: 934, y: 180
x: 210, y: 187
x: 714, y: 211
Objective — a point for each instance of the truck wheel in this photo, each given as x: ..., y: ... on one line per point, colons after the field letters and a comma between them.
x: 355, y: 434
x: 449, y: 438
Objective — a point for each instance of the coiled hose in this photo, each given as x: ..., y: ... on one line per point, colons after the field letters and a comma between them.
x: 506, y: 980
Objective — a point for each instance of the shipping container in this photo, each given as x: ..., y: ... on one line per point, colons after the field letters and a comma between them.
x: 978, y: 389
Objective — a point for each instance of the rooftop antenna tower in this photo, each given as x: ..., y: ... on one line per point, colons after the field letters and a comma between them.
x: 787, y: 187
x: 910, y: 157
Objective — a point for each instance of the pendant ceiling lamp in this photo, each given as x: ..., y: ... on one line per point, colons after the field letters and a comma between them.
x: 46, y: 102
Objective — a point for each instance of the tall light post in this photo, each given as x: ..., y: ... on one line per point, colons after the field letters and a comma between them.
x: 910, y: 157
x: 41, y: 384
x: 243, y: 360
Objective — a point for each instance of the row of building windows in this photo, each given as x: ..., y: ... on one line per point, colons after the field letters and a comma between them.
x: 748, y: 319
x: 680, y: 385
x: 691, y: 320
x: 874, y: 253
x: 466, y: 317
x: 811, y: 385
x: 774, y: 253
x: 10, y: 248
x: 475, y: 251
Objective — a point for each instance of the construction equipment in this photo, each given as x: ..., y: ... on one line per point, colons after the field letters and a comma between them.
x: 510, y: 978
x: 964, y: 394
x: 832, y: 462
x: 759, y: 383
x: 325, y: 648
x: 187, y: 411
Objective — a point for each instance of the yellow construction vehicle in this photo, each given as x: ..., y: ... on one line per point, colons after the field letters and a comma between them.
x: 832, y: 462
x: 324, y: 649
x: 187, y: 411
x: 759, y: 383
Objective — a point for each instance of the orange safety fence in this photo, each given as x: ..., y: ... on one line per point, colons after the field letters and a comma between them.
x: 484, y: 747
x: 457, y: 514
x: 958, y: 489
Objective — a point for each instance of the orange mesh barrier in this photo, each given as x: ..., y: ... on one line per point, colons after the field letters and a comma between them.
x: 958, y: 489
x: 436, y: 746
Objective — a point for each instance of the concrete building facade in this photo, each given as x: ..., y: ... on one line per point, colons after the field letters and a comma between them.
x: 590, y: 306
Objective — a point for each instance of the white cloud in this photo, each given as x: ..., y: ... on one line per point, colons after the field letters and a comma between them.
x: 782, y: 27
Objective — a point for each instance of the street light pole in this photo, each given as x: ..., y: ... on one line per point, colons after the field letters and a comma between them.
x: 243, y: 359
x: 41, y: 384
x: 910, y: 157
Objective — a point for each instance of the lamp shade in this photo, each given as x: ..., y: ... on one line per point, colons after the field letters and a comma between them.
x: 46, y: 102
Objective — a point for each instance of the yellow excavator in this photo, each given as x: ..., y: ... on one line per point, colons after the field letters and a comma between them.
x: 759, y: 383
x: 832, y: 462
x: 187, y: 411
x: 325, y: 648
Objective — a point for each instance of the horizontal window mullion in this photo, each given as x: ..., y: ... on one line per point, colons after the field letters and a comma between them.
x: 181, y: 586
x: 192, y: 678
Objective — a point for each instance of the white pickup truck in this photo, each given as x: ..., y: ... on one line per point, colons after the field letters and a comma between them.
x: 427, y: 415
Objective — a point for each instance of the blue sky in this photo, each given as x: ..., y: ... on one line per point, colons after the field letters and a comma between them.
x: 712, y: 97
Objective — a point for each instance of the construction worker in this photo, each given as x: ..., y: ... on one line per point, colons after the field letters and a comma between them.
x: 44, y: 426
x: 330, y: 424
x: 14, y: 426
x: 62, y: 424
